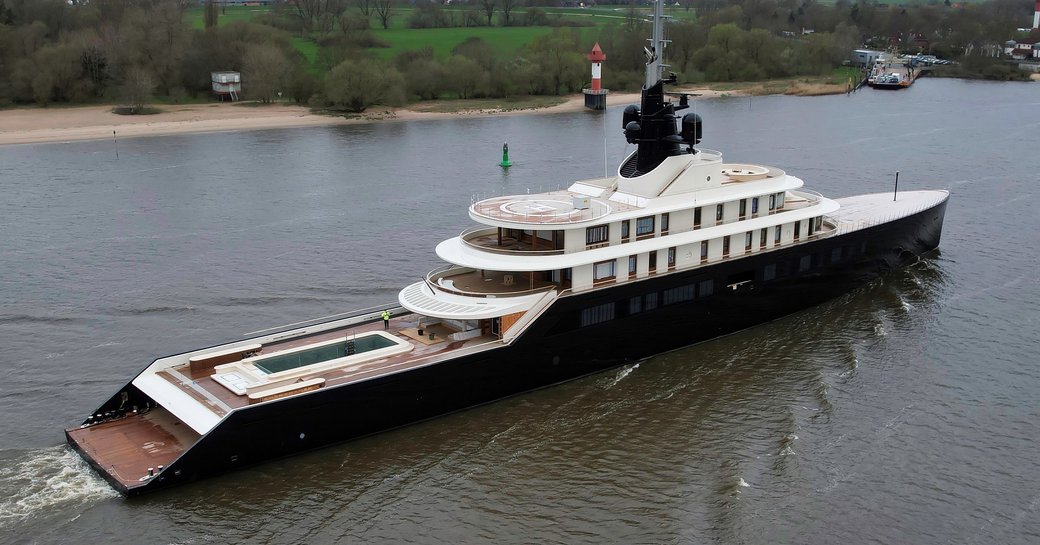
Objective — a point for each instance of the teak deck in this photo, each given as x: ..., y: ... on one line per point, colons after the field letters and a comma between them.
x: 126, y: 448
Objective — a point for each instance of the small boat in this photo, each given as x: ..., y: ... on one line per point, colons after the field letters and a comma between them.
x: 675, y: 248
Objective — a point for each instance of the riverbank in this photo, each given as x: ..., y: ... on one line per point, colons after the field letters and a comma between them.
x: 45, y: 125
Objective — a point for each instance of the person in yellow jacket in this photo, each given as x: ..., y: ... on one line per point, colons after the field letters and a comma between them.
x: 386, y: 319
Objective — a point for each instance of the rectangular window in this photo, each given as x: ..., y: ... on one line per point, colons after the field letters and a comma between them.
x: 780, y: 200
x: 651, y: 301
x: 776, y: 238
x: 704, y: 250
x: 635, y: 305
x: 772, y: 202
x: 743, y: 208
x: 747, y: 241
x: 633, y: 265
x: 769, y: 272
x: 664, y: 223
x: 797, y: 229
x: 697, y: 218
x: 725, y: 246
x: 705, y: 288
x: 653, y: 261
x: 597, y: 234
x: 754, y: 205
x: 812, y: 223
x: 645, y: 226
x: 671, y: 256
x: 835, y: 255
x: 762, y: 237
x: 624, y: 229
x: 597, y: 314
x: 718, y: 212
x: 604, y: 270
x: 804, y: 263
x: 678, y: 295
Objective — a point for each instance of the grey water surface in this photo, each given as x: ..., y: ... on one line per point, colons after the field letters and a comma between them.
x: 907, y: 411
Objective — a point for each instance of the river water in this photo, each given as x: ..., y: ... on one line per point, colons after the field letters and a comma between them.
x: 907, y: 411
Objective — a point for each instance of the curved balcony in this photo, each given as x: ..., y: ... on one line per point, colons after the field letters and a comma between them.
x: 484, y: 283
x: 488, y: 240
x: 801, y: 198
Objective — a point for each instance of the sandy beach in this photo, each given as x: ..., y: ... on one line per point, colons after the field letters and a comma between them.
x: 42, y: 125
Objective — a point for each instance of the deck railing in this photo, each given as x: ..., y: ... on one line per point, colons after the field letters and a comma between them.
x: 468, y: 235
x: 434, y: 279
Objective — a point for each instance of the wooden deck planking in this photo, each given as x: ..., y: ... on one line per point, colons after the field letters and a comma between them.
x: 360, y: 371
x: 127, y: 447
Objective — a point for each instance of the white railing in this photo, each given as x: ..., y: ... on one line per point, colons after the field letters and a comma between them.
x: 846, y: 226
x: 474, y: 232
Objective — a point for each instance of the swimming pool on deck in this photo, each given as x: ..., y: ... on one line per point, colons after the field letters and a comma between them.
x: 258, y: 373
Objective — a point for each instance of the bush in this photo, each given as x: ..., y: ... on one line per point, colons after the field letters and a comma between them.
x: 354, y: 85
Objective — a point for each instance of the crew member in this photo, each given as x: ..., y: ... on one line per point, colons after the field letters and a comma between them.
x: 386, y: 319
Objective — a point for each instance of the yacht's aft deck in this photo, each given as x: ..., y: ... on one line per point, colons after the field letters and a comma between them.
x: 201, y: 386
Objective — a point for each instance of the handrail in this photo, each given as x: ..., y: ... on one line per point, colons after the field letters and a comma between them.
x: 429, y: 278
x: 465, y: 235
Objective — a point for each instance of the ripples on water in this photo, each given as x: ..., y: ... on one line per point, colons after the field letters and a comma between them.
x: 903, y: 412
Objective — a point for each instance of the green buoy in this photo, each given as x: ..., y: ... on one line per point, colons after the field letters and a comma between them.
x: 505, y: 157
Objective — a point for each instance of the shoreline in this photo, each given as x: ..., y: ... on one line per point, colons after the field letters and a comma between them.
x: 83, y: 123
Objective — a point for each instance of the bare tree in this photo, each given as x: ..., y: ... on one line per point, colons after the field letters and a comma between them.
x: 365, y: 6
x: 507, y: 8
x: 385, y: 10
x: 137, y: 88
x: 265, y: 69
x: 489, y: 9
x: 211, y: 14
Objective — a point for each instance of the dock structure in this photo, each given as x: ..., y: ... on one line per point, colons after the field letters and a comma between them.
x: 894, y: 73
x: 596, y: 95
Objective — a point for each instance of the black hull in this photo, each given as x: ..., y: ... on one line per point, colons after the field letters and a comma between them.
x: 557, y: 347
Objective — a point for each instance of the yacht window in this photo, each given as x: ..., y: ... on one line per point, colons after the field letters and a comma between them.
x: 747, y: 240
x: 725, y: 245
x: 762, y: 237
x: 651, y: 301
x: 706, y: 288
x: 624, y: 229
x: 597, y: 314
x: 653, y: 261
x: 604, y: 270
x: 696, y: 217
x: 835, y: 255
x: 635, y: 305
x: 769, y: 272
x: 804, y: 262
x: 780, y: 200
x: 644, y: 225
x: 597, y: 234
x: 754, y: 205
x: 797, y: 229
x: 772, y: 202
x: 718, y: 212
x: 633, y: 263
x: 679, y: 294
x: 704, y: 249
x: 743, y: 207
x: 664, y: 223
x: 671, y: 256
x: 776, y: 238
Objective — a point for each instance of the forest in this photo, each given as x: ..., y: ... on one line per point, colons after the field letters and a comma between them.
x: 350, y: 54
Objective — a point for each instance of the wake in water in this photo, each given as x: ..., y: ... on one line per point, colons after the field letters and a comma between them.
x: 621, y: 374
x: 47, y: 481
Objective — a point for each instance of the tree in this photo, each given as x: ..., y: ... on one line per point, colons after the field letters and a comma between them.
x: 557, y: 56
x: 365, y: 7
x: 264, y: 71
x: 211, y: 14
x: 385, y: 11
x: 138, y: 86
x: 507, y: 9
x: 489, y: 9
x: 356, y: 85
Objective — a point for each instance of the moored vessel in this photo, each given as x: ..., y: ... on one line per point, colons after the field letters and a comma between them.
x: 676, y: 248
